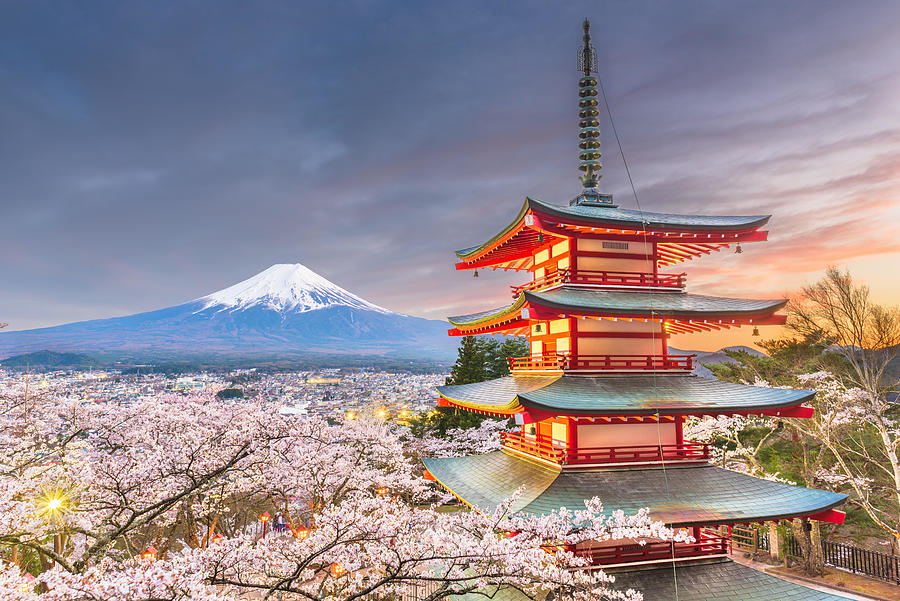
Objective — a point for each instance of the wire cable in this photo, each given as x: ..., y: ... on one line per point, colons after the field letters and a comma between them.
x: 652, y: 311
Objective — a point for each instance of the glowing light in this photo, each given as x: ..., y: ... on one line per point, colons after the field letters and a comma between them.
x: 265, y: 517
x: 382, y: 413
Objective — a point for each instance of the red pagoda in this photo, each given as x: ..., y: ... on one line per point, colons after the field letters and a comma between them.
x: 599, y: 401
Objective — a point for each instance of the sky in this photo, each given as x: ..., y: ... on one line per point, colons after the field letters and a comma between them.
x: 154, y: 152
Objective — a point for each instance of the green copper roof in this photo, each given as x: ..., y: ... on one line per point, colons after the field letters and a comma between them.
x: 612, y: 303
x: 678, y: 495
x: 717, y: 579
x: 621, y: 395
x: 713, y: 580
x: 627, y: 218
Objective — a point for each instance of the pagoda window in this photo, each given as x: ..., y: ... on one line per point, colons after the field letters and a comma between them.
x: 530, y: 430
x: 598, y: 337
x: 615, y: 255
x: 559, y: 326
x: 537, y: 348
x: 558, y: 434
x: 560, y: 248
x: 626, y: 435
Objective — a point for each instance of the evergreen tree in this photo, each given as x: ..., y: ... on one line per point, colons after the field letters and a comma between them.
x: 470, y: 363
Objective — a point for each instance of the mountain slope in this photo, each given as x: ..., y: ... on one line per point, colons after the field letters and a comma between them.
x: 286, y: 310
x: 705, y: 358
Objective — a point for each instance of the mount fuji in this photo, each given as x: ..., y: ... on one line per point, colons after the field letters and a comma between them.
x: 285, y: 312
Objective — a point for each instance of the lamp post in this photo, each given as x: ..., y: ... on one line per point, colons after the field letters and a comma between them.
x: 264, y: 518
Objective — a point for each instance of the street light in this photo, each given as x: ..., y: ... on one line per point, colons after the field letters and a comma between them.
x: 301, y: 532
x: 149, y: 553
x: 264, y: 518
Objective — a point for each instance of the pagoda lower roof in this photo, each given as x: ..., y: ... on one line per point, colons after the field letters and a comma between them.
x: 719, y: 579
x: 713, y: 580
x: 627, y: 304
x: 614, y: 217
x: 682, y: 495
x: 619, y: 395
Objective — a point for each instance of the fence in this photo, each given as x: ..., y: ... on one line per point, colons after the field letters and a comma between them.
x: 854, y: 559
x: 749, y: 539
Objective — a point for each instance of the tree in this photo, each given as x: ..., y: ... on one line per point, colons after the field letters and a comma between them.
x: 469, y: 366
x: 479, y: 360
x: 86, y: 488
x: 863, y: 432
x: 771, y: 447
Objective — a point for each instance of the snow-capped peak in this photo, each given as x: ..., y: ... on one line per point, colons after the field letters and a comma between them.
x: 286, y: 287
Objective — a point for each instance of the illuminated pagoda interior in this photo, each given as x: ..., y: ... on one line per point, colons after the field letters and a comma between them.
x: 600, y: 403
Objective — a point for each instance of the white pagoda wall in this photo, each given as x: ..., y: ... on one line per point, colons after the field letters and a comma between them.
x: 625, y: 435
x: 619, y: 346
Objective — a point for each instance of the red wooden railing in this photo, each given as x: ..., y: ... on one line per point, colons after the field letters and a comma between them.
x: 563, y: 361
x: 709, y: 544
x: 630, y: 279
x: 541, y: 447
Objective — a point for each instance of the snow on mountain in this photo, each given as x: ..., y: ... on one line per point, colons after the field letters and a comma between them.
x: 286, y: 311
x: 286, y: 287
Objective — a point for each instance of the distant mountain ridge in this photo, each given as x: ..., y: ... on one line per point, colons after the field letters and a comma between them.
x: 713, y: 357
x: 287, y: 310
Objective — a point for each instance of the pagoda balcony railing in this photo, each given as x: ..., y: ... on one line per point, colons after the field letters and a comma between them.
x: 618, y: 279
x: 708, y: 544
x: 543, y: 448
x: 601, y: 363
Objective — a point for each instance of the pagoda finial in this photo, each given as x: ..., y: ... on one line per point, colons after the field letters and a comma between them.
x: 589, y: 123
x: 587, y: 60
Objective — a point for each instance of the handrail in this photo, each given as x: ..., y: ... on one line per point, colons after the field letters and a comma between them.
x: 541, y: 447
x: 628, y: 279
x: 709, y: 544
x: 564, y: 361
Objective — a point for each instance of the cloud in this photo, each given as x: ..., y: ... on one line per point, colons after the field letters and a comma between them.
x: 155, y: 152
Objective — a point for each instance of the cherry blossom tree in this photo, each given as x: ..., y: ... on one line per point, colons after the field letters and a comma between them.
x: 160, y: 499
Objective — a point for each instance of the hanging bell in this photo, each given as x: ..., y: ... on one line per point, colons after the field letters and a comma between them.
x: 475, y: 275
x: 756, y: 332
x: 738, y: 250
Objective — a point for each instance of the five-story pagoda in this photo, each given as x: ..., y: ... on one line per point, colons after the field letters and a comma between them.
x: 599, y: 401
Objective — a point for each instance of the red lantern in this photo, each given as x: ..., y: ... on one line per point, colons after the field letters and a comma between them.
x: 301, y: 532
x: 149, y: 553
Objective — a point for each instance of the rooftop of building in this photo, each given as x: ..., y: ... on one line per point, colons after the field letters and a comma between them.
x: 620, y: 395
x: 685, y: 495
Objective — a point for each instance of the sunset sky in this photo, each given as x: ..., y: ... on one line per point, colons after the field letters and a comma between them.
x: 154, y: 152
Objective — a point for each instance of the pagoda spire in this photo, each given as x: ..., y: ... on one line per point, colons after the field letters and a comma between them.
x: 589, y: 123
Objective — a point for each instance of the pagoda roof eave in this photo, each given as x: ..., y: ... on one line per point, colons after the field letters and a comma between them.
x: 680, y: 496
x: 659, y: 305
x: 613, y: 217
x: 712, y: 579
x: 611, y: 395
